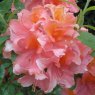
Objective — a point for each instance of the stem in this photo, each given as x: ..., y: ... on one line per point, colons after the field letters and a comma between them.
x: 87, y: 4
x: 82, y: 13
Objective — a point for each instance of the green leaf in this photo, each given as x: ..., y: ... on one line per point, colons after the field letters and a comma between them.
x: 3, y: 24
x: 86, y: 5
x: 1, y: 47
x: 13, y: 56
x: 18, y: 4
x: 92, y: 8
x: 2, y: 72
x: 93, y: 54
x: 82, y: 13
x: 3, y: 39
x: 19, y: 93
x: 2, y: 20
x: 57, y: 91
x: 6, y: 65
x: 12, y: 15
x: 5, y: 6
x: 89, y: 26
x: 10, y: 70
x: 6, y: 92
x: 88, y: 39
x: 11, y: 89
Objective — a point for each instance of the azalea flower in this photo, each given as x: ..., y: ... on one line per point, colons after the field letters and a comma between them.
x: 47, y: 48
x: 70, y: 4
x: 86, y: 85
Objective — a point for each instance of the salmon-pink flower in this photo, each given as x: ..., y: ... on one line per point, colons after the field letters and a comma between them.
x: 70, y: 4
x: 86, y: 85
x: 47, y: 48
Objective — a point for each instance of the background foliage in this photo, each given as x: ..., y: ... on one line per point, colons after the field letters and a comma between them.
x: 8, y: 81
x: 90, y: 16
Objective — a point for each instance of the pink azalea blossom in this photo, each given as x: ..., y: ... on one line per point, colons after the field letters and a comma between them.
x: 47, y: 48
x: 86, y: 85
x: 70, y: 4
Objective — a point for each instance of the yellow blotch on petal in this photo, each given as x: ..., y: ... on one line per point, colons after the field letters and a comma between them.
x: 36, y: 13
x: 58, y: 14
x: 54, y: 30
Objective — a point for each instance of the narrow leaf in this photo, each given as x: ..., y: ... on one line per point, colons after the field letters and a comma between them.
x: 92, y: 8
x: 89, y: 26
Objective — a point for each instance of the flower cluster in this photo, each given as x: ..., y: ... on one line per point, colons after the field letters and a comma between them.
x: 45, y: 41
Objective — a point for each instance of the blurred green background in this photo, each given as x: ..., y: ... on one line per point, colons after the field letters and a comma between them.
x: 90, y: 16
x: 8, y: 82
